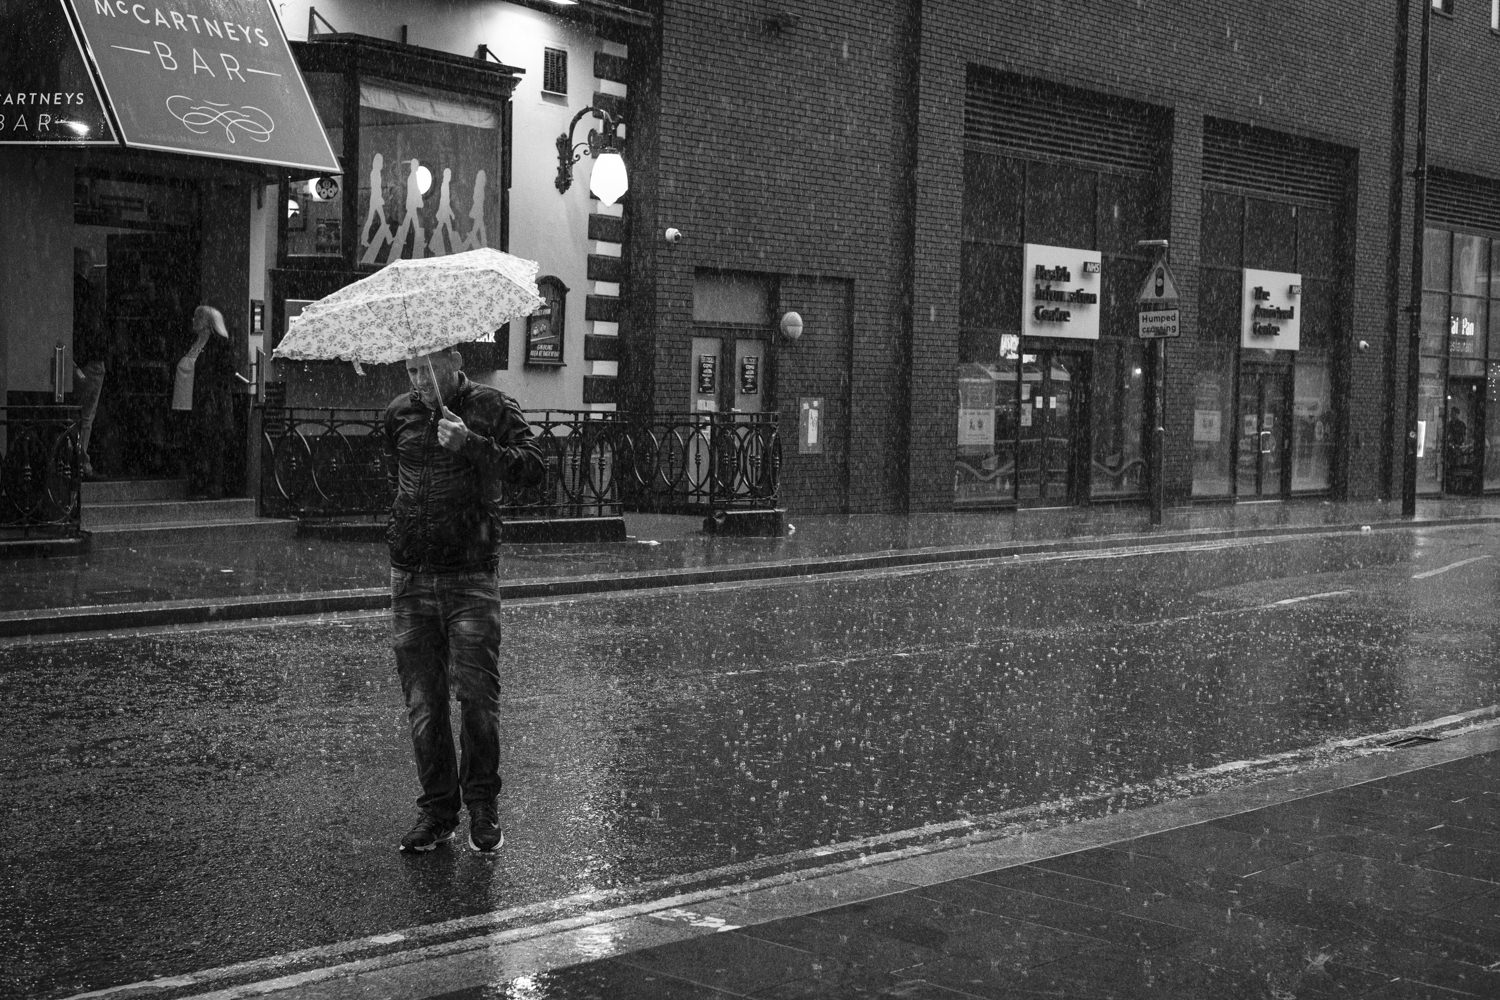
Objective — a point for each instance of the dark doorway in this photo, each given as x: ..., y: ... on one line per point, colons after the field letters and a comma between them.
x: 150, y: 291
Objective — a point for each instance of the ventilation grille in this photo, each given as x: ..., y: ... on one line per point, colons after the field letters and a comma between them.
x: 1038, y: 121
x: 555, y: 71
x: 1462, y: 202
x: 1259, y: 161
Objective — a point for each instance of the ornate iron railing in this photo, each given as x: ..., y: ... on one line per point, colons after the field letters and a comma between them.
x: 39, y: 472
x: 329, y: 463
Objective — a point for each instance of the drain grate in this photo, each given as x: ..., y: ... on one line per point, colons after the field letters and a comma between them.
x: 1410, y: 741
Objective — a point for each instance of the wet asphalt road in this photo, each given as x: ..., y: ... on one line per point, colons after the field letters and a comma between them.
x: 188, y: 800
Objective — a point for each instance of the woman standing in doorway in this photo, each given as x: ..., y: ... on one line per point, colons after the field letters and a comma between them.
x: 203, y: 391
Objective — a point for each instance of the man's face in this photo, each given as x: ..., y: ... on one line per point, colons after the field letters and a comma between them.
x: 443, y: 365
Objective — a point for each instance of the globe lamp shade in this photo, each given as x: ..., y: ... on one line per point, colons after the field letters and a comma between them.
x: 607, y: 181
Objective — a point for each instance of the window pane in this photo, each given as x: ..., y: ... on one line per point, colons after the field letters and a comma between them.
x: 992, y: 198
x: 1119, y: 315
x: 985, y: 457
x: 427, y: 174
x: 731, y: 298
x: 1119, y: 414
x: 1492, y: 425
x: 1270, y: 235
x: 990, y: 288
x: 1471, y: 265
x: 1429, y: 429
x: 1435, y: 251
x: 1317, y: 243
x: 1434, y: 323
x: 1221, y: 228
x: 1317, y: 315
x: 1312, y: 423
x: 1219, y: 305
x: 1060, y: 206
x: 1213, y: 396
x: 1127, y: 212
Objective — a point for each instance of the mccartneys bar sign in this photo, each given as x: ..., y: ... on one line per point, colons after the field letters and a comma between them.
x: 204, y: 77
x: 47, y: 95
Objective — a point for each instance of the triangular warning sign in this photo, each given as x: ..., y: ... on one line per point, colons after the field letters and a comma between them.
x: 1160, y: 288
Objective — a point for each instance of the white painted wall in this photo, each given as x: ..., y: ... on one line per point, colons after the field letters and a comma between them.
x: 546, y: 226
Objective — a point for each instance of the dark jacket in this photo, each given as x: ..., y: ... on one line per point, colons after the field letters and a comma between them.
x: 445, y: 517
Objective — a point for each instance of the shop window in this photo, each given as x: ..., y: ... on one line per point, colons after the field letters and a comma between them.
x: 1213, y: 419
x: 1312, y: 423
x: 1219, y: 305
x: 1492, y: 428
x: 427, y: 178
x: 1467, y: 327
x: 1119, y: 399
x: 1471, y: 264
x: 1430, y: 393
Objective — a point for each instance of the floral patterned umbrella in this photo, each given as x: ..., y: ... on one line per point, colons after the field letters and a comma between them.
x: 412, y: 307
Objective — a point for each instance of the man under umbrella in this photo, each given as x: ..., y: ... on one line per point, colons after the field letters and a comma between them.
x: 449, y: 444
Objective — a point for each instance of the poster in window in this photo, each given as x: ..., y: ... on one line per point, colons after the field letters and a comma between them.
x: 543, y: 340
x: 708, y: 374
x: 749, y: 375
x: 330, y: 234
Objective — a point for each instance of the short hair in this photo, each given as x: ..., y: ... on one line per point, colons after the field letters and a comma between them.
x: 214, y: 317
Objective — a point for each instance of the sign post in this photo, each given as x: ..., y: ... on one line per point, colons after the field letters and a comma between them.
x: 1159, y: 312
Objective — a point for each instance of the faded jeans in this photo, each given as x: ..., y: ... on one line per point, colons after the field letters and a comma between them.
x: 447, y: 641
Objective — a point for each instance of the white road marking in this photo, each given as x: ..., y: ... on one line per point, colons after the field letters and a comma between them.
x: 1310, y: 597
x: 1444, y: 569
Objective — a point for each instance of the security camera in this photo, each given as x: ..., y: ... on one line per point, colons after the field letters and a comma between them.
x: 1364, y: 345
x: 673, y: 235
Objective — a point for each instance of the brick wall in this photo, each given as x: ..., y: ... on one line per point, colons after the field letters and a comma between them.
x: 782, y: 149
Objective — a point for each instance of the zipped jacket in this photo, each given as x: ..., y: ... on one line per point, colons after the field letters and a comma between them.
x: 445, y: 517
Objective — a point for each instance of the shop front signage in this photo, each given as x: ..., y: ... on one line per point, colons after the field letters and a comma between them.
x: 1060, y: 292
x: 708, y: 374
x: 749, y: 375
x: 204, y: 78
x: 1271, y: 310
x: 47, y: 95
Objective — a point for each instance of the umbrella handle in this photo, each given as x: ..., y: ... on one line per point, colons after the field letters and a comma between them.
x: 435, y: 390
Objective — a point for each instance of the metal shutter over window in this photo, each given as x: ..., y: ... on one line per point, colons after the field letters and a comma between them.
x: 1037, y: 120
x: 1258, y: 161
x: 1459, y: 201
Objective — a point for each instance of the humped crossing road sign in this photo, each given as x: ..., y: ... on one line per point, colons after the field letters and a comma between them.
x: 1158, y: 305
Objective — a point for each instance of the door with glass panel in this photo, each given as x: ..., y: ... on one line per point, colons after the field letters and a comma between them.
x: 1052, y: 429
x: 1463, y: 441
x: 1264, y: 423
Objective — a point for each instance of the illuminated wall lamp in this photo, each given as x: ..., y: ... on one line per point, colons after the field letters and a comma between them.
x: 607, y: 182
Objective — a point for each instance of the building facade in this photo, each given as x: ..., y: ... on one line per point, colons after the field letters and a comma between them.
x: 921, y: 233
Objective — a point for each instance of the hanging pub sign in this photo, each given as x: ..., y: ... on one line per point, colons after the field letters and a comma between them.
x: 1271, y: 314
x: 202, y: 77
x: 1060, y: 292
x: 47, y: 94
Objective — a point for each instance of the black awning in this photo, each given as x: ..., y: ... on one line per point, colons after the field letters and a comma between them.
x: 209, y: 78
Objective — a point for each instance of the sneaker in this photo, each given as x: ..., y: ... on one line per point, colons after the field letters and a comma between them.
x: 485, y: 834
x: 428, y: 832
